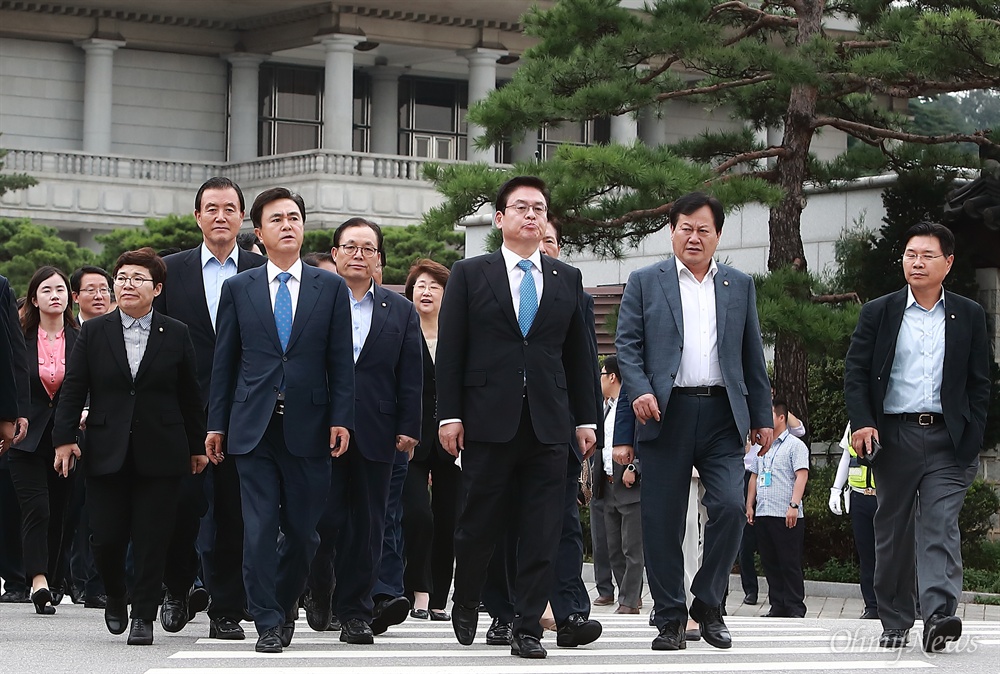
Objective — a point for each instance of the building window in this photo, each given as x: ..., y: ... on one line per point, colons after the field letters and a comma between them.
x: 592, y: 132
x: 291, y: 109
x: 362, y: 129
x: 432, y: 120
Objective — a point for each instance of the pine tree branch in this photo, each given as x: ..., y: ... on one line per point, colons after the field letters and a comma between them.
x: 912, y: 88
x: 711, y: 89
x: 839, y: 298
x: 868, y: 133
x: 656, y: 72
x: 629, y: 217
x: 863, y: 44
x: 761, y: 19
x: 748, y: 157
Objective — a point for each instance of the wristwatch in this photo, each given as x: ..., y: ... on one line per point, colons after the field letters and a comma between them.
x: 794, y: 505
x: 630, y: 468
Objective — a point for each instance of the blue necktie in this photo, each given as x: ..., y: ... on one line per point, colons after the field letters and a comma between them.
x: 529, y: 298
x: 283, y: 310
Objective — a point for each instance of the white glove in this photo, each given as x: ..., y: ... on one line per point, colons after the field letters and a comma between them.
x: 835, y: 501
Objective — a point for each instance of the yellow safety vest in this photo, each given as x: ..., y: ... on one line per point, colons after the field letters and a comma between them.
x: 859, y: 477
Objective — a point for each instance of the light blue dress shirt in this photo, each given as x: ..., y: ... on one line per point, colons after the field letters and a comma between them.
x: 918, y: 367
x: 214, y: 275
x: 361, y: 318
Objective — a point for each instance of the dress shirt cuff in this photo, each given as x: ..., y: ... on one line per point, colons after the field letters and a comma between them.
x: 217, y: 432
x: 451, y: 421
x: 592, y: 427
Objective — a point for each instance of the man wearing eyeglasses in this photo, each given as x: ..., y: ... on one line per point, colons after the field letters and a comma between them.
x: 917, y: 381
x: 91, y: 287
x: 514, y: 374
x: 210, y: 520
x: 362, y: 521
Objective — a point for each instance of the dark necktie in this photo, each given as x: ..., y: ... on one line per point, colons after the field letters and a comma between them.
x: 283, y: 310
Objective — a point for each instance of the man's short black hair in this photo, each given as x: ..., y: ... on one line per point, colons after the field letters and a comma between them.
x: 938, y: 231
x: 780, y: 407
x: 691, y: 202
x: 218, y: 183
x: 610, y: 366
x: 77, y: 278
x: 362, y: 222
x: 520, y: 181
x: 247, y: 240
x: 314, y: 259
x: 274, y: 194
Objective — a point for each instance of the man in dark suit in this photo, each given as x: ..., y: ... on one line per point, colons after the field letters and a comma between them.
x: 917, y: 380
x: 8, y: 385
x: 388, y: 376
x: 191, y: 295
x: 282, y: 393
x: 144, y: 432
x: 692, y: 364
x: 514, y: 374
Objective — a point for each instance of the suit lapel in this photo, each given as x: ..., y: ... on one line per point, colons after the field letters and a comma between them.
x: 953, y: 329
x: 309, y: 292
x: 496, y: 275
x: 116, y: 341
x: 194, y: 286
x: 382, y: 305
x: 672, y: 291
x: 260, y: 300
x: 153, y: 344
x: 893, y: 321
x: 722, y: 295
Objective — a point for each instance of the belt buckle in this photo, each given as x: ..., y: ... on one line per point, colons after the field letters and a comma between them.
x: 279, y: 407
x: 869, y: 491
x: 703, y: 391
x: 925, y: 419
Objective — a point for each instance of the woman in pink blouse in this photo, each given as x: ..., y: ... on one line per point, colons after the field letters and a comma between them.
x: 49, y: 334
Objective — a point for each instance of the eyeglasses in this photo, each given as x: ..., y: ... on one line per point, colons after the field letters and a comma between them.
x: 96, y: 291
x: 522, y: 208
x: 134, y: 281
x: 924, y: 257
x: 350, y: 250
x: 606, y: 374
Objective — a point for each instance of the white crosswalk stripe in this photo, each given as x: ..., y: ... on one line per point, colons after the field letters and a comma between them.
x: 430, y: 648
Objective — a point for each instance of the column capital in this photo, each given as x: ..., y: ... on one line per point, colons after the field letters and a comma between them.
x: 483, y: 55
x: 242, y: 59
x: 339, y: 42
x: 99, y: 45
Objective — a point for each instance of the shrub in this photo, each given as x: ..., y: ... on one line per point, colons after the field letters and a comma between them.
x: 976, y: 518
x: 828, y: 537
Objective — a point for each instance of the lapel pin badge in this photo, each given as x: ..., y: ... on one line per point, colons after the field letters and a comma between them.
x: 725, y: 283
x: 384, y: 304
x: 161, y: 329
x: 555, y: 271
x: 953, y: 316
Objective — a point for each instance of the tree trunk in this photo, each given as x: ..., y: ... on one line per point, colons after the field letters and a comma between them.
x: 790, y: 361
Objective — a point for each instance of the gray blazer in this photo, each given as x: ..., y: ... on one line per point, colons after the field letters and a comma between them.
x: 651, y: 336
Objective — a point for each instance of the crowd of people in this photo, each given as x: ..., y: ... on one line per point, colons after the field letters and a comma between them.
x: 216, y: 429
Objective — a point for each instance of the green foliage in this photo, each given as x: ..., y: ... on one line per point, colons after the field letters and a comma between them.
x: 835, y: 571
x: 12, y: 182
x: 828, y: 537
x: 173, y: 231
x: 985, y: 555
x: 317, y: 241
x: 827, y: 409
x: 406, y: 245
x: 25, y: 246
x: 978, y: 513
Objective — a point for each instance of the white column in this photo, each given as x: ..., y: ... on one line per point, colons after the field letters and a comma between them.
x: 243, y: 105
x: 624, y: 129
x: 97, y: 93
x: 338, y: 93
x: 385, y: 110
x: 482, y: 80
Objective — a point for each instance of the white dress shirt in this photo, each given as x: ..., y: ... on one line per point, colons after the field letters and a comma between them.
x: 609, y: 437
x: 214, y: 274
x: 700, y: 358
x: 293, y: 283
x: 515, y: 275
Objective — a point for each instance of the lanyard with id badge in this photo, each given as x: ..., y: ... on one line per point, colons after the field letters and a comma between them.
x: 764, y: 479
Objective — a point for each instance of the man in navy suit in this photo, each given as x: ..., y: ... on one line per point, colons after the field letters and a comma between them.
x: 282, y: 394
x: 514, y: 374
x: 368, y: 480
x: 692, y: 365
x: 191, y: 295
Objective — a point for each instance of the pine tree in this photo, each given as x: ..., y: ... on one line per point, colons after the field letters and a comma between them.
x: 806, y: 66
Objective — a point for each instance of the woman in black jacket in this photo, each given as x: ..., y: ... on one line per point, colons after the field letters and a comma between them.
x: 50, y: 331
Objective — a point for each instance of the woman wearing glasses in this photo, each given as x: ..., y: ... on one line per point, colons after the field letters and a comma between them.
x: 145, y: 431
x: 49, y: 335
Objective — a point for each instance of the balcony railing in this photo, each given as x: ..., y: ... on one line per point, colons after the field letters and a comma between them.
x: 298, y: 164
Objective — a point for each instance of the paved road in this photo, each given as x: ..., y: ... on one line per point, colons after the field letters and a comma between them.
x: 75, y: 640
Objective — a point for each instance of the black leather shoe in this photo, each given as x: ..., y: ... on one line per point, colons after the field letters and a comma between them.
x: 693, y: 634
x: 319, y: 613
x: 335, y: 625
x: 356, y: 631
x: 197, y: 601
x: 95, y: 601
x: 527, y: 646
x: 577, y: 631
x: 269, y: 641
x: 870, y: 614
x: 389, y: 612
x: 286, y: 632
x: 116, y: 615
x: 939, y: 630
x: 141, y: 632
x: 671, y: 637
x: 420, y: 614
x: 750, y: 599
x: 15, y: 597
x: 173, y: 613
x: 709, y: 619
x: 76, y: 594
x: 775, y: 613
x: 500, y: 633
x: 464, y: 621
x: 440, y: 615
x: 652, y: 617
x: 42, y: 599
x: 894, y: 638
x: 226, y: 628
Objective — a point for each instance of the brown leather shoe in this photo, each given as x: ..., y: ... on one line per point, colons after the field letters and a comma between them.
x: 628, y: 610
x: 604, y: 600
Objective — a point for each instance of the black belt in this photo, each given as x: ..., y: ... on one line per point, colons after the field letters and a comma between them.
x: 922, y: 418
x: 279, y: 407
x: 609, y: 478
x: 702, y: 391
